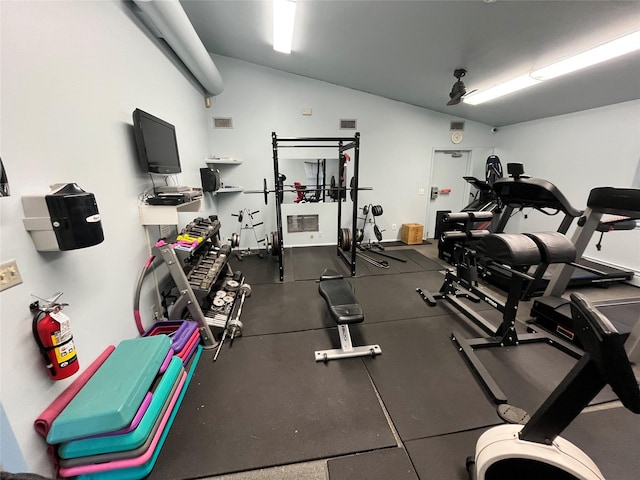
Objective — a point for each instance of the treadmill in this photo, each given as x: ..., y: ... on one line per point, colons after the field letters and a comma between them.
x: 518, y: 192
x: 553, y: 312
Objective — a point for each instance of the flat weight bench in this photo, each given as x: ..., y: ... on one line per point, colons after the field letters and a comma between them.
x: 344, y: 310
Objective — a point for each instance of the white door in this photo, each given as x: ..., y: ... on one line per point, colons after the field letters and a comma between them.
x: 447, y: 190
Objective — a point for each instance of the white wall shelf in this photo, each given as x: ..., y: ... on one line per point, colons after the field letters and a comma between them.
x: 166, y: 214
x: 222, y: 161
x: 230, y: 189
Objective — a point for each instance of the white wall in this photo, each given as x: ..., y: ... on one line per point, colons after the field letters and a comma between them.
x: 72, y: 74
x: 396, y: 144
x: 577, y: 152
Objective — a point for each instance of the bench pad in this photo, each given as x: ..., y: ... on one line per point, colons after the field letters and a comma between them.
x: 338, y: 294
x: 514, y: 249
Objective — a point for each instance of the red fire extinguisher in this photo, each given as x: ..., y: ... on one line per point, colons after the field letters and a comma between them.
x: 52, y: 333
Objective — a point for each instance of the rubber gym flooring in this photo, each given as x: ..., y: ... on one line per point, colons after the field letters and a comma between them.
x: 413, y: 412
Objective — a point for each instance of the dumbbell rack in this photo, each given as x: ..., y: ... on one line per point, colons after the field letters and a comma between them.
x: 197, y: 272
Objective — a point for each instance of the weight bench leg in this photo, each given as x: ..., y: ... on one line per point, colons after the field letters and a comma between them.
x: 347, y: 349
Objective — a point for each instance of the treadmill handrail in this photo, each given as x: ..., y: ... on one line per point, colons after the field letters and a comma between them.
x: 534, y: 193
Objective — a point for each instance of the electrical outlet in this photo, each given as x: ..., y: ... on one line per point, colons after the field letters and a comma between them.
x: 394, y: 226
x: 9, y: 275
x: 421, y: 191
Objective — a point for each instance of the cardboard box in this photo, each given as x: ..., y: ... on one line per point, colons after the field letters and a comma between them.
x: 411, y: 233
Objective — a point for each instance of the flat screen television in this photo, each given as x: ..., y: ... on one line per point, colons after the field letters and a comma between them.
x: 156, y: 143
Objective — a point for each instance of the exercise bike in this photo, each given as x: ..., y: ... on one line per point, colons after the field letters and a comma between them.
x: 535, y: 450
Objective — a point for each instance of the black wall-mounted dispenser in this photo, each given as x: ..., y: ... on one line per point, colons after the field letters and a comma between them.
x: 66, y: 218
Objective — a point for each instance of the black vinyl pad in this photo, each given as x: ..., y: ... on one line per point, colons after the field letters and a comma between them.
x: 341, y: 302
x: 387, y: 464
x: 266, y: 402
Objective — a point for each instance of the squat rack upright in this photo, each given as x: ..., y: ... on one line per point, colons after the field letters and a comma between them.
x: 343, y: 145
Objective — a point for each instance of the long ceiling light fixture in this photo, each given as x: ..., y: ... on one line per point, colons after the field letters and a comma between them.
x: 621, y: 46
x: 284, y: 16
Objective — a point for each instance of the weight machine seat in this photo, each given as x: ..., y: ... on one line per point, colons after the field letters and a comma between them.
x: 513, y: 249
x: 342, y: 303
x: 554, y: 247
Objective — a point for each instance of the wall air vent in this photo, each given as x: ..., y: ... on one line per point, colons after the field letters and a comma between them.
x: 222, y: 122
x: 348, y: 124
x: 456, y: 126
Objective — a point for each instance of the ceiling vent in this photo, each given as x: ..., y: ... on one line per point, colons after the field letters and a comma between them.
x: 456, y: 126
x: 222, y: 122
x: 348, y: 124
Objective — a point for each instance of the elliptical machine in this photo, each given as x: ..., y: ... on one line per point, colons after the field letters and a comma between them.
x: 535, y: 450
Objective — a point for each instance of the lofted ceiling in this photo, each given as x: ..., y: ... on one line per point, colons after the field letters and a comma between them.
x: 408, y: 50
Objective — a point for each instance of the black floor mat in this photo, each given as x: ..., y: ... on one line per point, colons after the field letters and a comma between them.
x: 443, y: 457
x: 266, y: 402
x: 394, y: 297
x: 387, y: 464
x: 423, y: 380
x: 310, y: 262
x: 263, y: 270
x: 398, y: 243
x: 285, y: 307
x: 528, y: 373
x: 610, y: 438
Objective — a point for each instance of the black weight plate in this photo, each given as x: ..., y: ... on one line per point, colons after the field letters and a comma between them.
x: 275, y: 244
x: 377, y: 233
x: 345, y: 238
x: 365, y: 209
x: 377, y: 210
x: 352, y: 188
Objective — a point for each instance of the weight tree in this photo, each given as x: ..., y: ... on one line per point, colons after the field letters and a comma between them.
x: 343, y: 145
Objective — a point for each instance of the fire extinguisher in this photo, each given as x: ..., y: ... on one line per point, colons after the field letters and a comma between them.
x: 52, y: 333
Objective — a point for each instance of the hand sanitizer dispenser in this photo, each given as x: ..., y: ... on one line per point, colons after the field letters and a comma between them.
x: 66, y: 218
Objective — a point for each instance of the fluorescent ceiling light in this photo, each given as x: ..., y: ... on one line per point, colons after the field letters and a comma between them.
x: 607, y: 51
x: 505, y: 88
x: 284, y: 15
x: 615, y: 48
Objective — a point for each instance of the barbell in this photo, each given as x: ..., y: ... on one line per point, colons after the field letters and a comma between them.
x: 279, y: 191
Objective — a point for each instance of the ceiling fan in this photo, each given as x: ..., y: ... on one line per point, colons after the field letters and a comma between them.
x: 458, y: 91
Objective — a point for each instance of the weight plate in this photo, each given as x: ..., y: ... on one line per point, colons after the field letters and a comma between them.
x: 333, y: 193
x: 352, y: 188
x: 240, y: 216
x: 365, y: 210
x: 345, y: 238
x: 377, y: 233
x: 275, y: 244
x: 235, y: 240
x: 220, y: 293
x: 218, y: 302
x: 231, y: 285
x: 377, y: 210
x: 227, y: 299
x: 359, y: 235
x: 246, y: 289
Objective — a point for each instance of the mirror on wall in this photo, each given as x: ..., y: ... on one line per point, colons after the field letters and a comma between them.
x: 309, y: 180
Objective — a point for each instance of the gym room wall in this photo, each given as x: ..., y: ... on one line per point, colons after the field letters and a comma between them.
x: 577, y: 152
x: 72, y: 74
x: 396, y: 144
